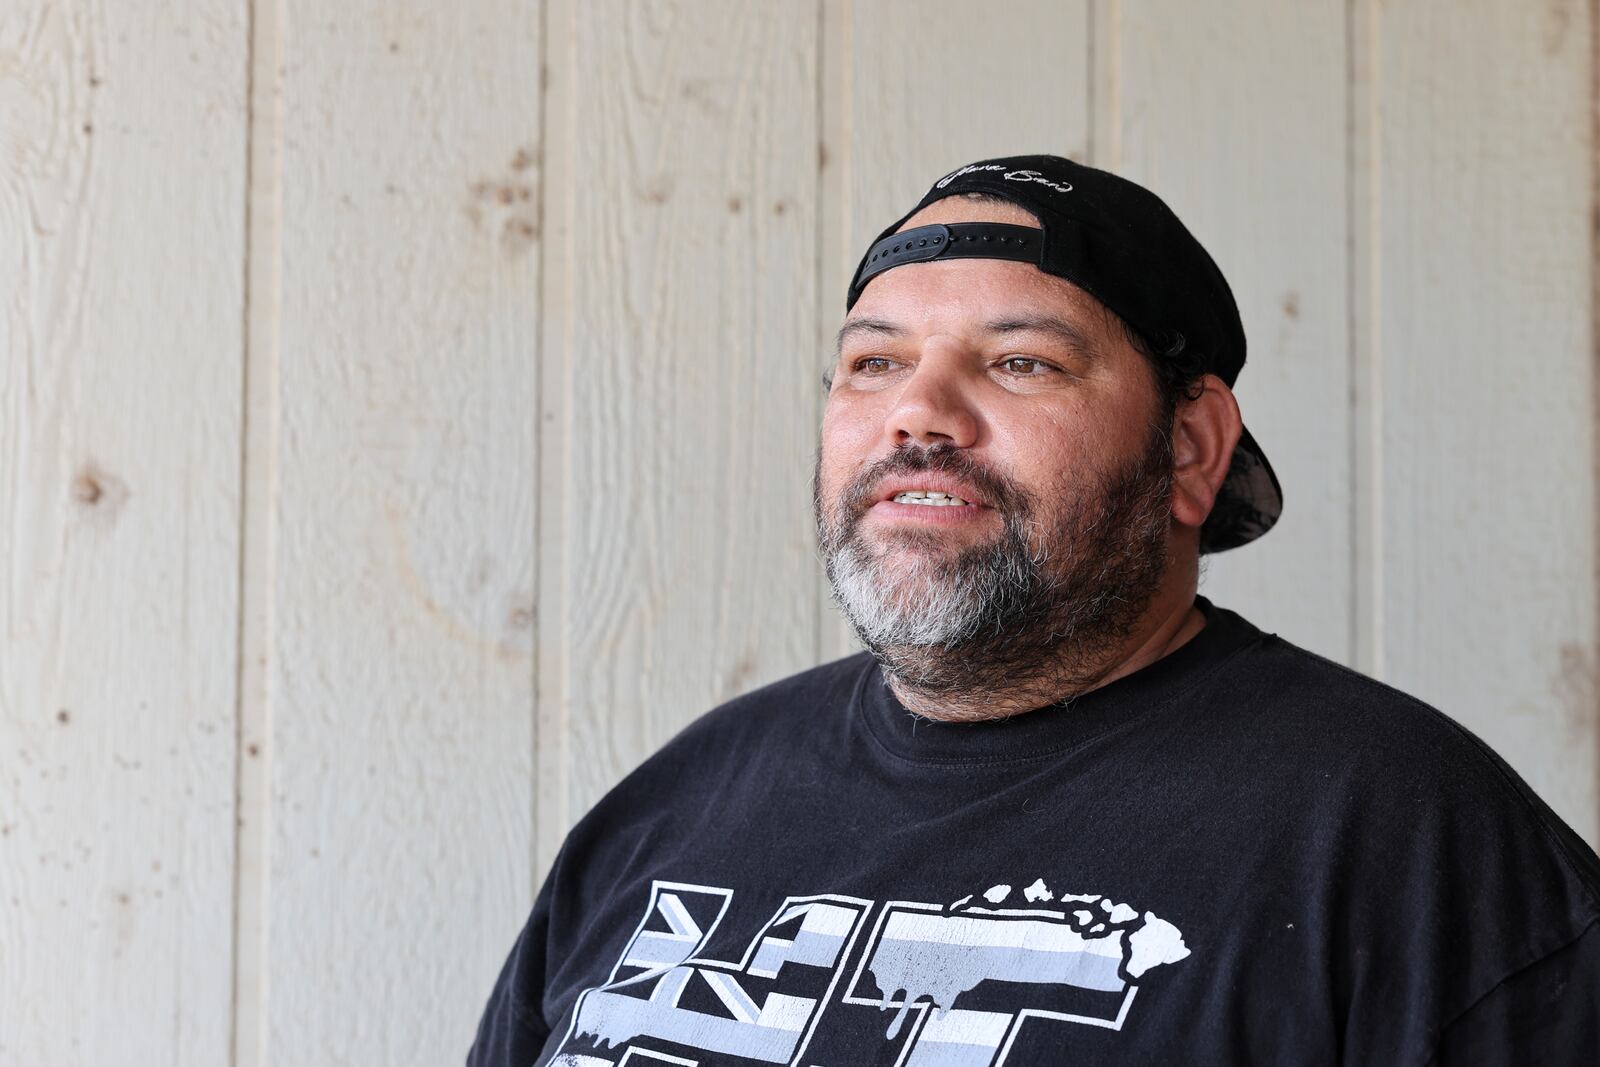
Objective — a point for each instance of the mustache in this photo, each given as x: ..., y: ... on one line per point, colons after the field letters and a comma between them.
x: 944, y: 459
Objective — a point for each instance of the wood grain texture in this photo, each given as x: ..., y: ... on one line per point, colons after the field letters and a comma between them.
x: 1235, y: 115
x: 1482, y: 377
x: 122, y: 148
x: 911, y: 91
x: 407, y: 417
x: 401, y: 727
x: 676, y: 550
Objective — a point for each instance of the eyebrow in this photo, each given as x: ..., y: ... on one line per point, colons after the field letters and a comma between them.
x: 1060, y: 328
x: 877, y: 327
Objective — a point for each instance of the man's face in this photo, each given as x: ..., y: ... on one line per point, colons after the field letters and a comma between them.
x: 1016, y: 392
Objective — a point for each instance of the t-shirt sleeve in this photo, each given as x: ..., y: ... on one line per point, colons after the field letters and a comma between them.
x: 1546, y: 1013
x: 513, y: 1029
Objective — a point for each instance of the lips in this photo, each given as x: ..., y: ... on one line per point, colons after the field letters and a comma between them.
x: 938, y: 483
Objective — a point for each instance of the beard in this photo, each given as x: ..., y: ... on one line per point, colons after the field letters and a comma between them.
x: 1045, y: 608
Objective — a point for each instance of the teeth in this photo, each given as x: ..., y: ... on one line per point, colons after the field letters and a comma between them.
x: 932, y: 498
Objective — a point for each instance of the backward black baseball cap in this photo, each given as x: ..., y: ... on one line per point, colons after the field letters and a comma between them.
x: 1122, y: 245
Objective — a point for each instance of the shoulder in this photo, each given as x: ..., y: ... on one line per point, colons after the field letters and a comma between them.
x: 734, y: 737
x: 1381, y: 752
x: 1434, y: 863
x: 1301, y: 683
x: 1333, y: 712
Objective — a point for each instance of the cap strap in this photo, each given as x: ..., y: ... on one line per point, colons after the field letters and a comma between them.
x: 987, y: 240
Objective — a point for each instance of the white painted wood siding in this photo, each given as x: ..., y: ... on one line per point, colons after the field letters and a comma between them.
x: 407, y: 415
x: 122, y: 164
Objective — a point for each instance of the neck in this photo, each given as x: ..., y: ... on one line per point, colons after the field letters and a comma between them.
x: 1171, y: 620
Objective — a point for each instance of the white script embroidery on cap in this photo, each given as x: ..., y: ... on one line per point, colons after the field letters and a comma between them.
x: 1010, y: 176
x: 1035, y: 176
x: 948, y: 178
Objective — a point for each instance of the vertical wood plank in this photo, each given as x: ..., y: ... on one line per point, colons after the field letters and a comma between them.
x: 122, y: 149
x: 676, y: 550
x: 262, y: 433
x: 402, y: 622
x: 913, y: 90
x: 1235, y: 116
x: 1482, y: 377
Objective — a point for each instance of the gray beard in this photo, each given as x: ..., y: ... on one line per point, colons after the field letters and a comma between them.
x: 1004, y: 616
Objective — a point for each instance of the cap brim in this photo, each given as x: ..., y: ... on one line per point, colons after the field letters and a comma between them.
x: 1249, y: 502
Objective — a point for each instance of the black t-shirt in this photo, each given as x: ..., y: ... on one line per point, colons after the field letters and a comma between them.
x: 1242, y: 853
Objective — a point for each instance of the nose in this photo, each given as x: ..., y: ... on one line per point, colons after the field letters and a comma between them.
x: 934, y: 406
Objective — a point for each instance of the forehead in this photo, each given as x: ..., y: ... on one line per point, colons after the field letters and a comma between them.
x: 944, y: 293
x: 960, y: 209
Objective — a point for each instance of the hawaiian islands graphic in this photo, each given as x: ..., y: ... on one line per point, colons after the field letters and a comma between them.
x: 1097, y: 943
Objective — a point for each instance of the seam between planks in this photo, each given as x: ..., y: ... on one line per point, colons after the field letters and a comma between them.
x: 257, y: 518
x: 1593, y: 687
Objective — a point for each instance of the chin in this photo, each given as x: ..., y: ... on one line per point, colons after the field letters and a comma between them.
x: 886, y: 544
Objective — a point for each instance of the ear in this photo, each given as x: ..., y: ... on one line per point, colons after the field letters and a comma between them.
x: 1204, y: 431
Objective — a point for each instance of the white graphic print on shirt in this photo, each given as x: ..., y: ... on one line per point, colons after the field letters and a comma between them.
x: 1077, y: 957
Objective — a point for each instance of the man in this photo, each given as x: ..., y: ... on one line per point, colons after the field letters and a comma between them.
x: 1062, y: 810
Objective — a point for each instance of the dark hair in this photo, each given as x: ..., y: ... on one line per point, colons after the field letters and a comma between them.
x: 1177, y: 367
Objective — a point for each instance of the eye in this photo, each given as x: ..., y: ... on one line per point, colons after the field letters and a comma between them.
x: 872, y: 365
x: 1044, y: 368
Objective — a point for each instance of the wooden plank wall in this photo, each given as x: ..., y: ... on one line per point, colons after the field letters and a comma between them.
x: 122, y: 169
x: 407, y: 414
x: 398, y: 721
x: 681, y: 305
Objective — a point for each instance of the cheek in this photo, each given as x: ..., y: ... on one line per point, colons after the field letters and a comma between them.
x: 847, y: 438
x: 1048, y: 450
x: 1096, y: 433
